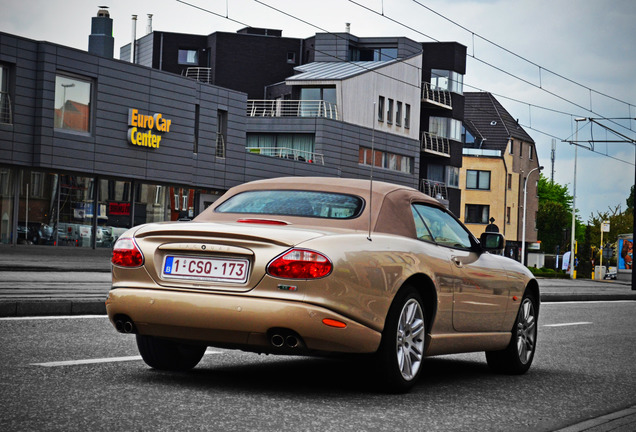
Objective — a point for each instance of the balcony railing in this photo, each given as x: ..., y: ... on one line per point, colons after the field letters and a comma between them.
x: 434, y: 189
x: 435, y: 96
x: 435, y: 144
x: 288, y: 153
x: 292, y: 108
x: 5, y: 108
x: 200, y: 74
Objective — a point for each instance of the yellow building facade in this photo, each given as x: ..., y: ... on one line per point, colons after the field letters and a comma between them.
x: 490, y: 190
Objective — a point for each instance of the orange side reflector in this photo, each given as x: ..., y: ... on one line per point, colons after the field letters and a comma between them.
x: 333, y: 323
x: 515, y: 298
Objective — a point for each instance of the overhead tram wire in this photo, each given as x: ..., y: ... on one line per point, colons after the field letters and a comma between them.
x: 357, y: 64
x: 380, y: 73
x: 383, y: 15
x: 521, y: 57
x: 398, y: 80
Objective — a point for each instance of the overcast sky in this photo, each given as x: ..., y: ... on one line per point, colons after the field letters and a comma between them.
x: 565, y: 59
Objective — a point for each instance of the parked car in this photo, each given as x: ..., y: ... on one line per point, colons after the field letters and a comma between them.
x: 323, y: 265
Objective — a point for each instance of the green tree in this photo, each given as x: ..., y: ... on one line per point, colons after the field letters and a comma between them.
x: 554, y: 218
x: 630, y: 200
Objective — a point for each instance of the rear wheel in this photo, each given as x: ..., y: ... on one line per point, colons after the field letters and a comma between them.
x: 168, y: 355
x: 517, y: 357
x: 402, y: 347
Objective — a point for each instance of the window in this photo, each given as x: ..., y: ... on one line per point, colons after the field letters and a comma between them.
x: 508, y: 212
x: 389, y: 112
x: 188, y: 57
x: 369, y: 54
x: 520, y: 149
x: 72, y: 104
x: 407, y: 116
x: 444, y: 229
x: 512, y: 146
x: 509, y: 181
x: 195, y: 145
x: 398, y: 114
x: 294, y: 203
x: 477, y: 213
x: 381, y: 108
x: 380, y: 159
x: 221, y: 133
x: 452, y: 176
x: 291, y: 57
x: 447, y: 80
x: 286, y: 145
x: 5, y: 101
x: 317, y: 100
x: 478, y: 180
x: 530, y: 152
x: 446, y: 128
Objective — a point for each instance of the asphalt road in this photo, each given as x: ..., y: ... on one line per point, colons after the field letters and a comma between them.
x: 77, y: 373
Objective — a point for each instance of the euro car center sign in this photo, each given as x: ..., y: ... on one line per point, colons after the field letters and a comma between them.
x: 146, y: 130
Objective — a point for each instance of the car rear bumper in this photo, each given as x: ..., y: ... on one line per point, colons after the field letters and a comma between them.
x: 217, y: 319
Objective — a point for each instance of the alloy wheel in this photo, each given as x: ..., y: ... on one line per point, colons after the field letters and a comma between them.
x: 410, y: 339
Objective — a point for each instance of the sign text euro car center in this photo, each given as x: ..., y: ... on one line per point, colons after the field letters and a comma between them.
x: 146, y: 130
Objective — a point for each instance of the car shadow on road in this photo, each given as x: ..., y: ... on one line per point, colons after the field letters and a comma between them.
x: 346, y: 374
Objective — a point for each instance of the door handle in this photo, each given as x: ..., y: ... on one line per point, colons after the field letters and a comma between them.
x: 457, y: 262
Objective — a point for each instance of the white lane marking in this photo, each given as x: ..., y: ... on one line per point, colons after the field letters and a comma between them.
x: 99, y: 360
x: 568, y: 324
x: 52, y: 317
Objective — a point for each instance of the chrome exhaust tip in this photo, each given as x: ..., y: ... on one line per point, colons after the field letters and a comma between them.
x: 277, y: 340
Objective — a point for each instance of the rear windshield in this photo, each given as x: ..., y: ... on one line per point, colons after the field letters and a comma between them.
x: 294, y: 203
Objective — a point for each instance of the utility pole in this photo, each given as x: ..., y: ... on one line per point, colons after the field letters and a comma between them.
x: 552, y: 158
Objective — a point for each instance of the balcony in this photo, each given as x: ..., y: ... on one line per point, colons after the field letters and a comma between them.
x: 200, y: 74
x: 292, y: 108
x: 288, y: 153
x: 437, y: 97
x: 434, y: 189
x: 5, y: 108
x: 435, y: 144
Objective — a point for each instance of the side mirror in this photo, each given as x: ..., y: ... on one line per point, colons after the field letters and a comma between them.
x: 492, y: 242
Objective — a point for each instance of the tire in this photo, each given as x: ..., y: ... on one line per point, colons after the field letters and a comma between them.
x: 402, y: 347
x: 517, y: 357
x: 168, y: 355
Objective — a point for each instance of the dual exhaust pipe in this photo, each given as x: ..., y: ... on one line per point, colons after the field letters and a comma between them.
x: 125, y: 325
x: 285, y: 339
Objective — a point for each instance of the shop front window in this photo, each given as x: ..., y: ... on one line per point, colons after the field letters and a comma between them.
x: 6, y: 204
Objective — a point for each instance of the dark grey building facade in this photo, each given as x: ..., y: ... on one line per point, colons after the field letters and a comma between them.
x: 90, y: 145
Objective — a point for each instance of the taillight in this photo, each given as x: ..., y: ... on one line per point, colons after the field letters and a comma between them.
x: 300, y: 264
x: 126, y: 253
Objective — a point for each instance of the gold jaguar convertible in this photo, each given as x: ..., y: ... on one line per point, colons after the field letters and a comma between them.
x: 315, y: 266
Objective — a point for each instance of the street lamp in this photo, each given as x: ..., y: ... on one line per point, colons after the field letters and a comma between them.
x: 525, y: 200
x: 572, y: 234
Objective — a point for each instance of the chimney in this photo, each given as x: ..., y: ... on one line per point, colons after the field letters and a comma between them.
x: 149, y: 25
x: 133, y: 42
x: 101, y: 41
x: 348, y: 27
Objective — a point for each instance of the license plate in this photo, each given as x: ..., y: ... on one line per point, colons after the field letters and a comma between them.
x: 210, y: 269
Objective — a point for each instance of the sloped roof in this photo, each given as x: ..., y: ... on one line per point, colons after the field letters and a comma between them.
x: 329, y: 71
x: 486, y: 118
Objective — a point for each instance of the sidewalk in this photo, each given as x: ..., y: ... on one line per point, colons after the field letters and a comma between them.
x: 47, y: 280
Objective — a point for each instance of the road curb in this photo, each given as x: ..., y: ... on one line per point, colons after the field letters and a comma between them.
x: 52, y: 308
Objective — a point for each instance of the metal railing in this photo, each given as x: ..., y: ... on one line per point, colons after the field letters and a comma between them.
x: 200, y: 74
x: 288, y: 153
x: 292, y: 108
x: 434, y: 189
x: 436, y: 96
x: 5, y: 108
x: 436, y: 144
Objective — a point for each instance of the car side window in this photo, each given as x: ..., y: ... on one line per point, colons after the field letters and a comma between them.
x: 420, y: 228
x: 443, y: 227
